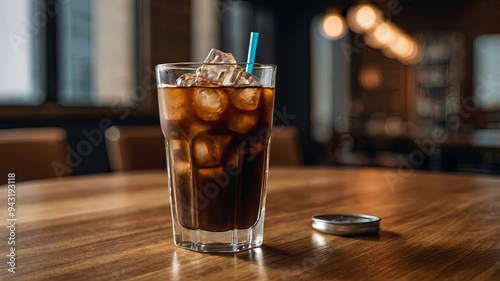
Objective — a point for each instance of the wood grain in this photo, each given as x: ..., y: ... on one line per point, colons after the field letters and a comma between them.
x: 435, y: 226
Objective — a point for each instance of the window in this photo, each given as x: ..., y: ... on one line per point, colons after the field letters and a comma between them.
x: 78, y: 53
x: 96, y: 52
x: 20, y: 81
x: 486, y: 72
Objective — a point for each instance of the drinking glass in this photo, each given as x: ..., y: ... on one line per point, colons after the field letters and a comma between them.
x: 217, y: 119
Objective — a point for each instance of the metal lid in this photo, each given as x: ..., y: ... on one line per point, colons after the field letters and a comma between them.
x: 346, y: 224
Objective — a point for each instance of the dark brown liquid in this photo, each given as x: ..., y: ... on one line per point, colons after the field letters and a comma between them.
x: 217, y: 141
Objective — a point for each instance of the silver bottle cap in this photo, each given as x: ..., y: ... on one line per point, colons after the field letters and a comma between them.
x: 346, y: 224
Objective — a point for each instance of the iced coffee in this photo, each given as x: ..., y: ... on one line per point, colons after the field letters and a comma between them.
x: 216, y: 118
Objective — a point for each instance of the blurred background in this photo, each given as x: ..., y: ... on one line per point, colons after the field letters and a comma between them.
x: 408, y: 84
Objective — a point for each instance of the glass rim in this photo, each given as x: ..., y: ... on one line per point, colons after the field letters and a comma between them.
x: 194, y: 65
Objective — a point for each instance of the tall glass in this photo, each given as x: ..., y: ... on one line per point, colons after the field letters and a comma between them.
x: 217, y: 136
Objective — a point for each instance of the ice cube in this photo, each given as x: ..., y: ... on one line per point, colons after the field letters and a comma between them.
x: 226, y: 75
x: 196, y: 129
x: 242, y: 121
x: 218, y: 56
x: 268, y: 96
x: 223, y: 74
x: 179, y: 149
x: 179, y: 155
x: 212, y: 181
x: 245, y: 98
x: 189, y: 80
x: 243, y: 78
x: 173, y: 103
x: 210, y: 104
x: 209, y: 174
x: 185, y: 80
x: 208, y: 150
x: 203, y: 82
x: 181, y: 169
x: 234, y: 162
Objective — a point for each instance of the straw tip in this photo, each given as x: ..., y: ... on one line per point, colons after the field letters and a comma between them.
x: 252, y: 50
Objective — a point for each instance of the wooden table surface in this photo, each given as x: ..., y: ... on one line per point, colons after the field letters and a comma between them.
x: 435, y: 226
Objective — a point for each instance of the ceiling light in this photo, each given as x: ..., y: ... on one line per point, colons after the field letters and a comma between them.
x: 362, y: 18
x: 381, y: 35
x: 333, y: 25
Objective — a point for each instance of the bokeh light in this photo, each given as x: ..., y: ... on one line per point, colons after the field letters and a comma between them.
x: 333, y: 26
x: 370, y: 77
x: 363, y: 18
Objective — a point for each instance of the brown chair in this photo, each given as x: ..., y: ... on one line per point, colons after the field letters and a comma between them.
x: 285, y: 146
x: 33, y: 153
x: 135, y: 148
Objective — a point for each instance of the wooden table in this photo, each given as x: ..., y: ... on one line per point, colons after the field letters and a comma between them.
x: 435, y: 226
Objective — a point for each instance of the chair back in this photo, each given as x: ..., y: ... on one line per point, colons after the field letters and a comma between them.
x: 33, y: 153
x: 285, y: 146
x: 135, y: 148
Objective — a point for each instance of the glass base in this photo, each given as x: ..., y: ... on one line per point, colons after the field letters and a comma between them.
x: 230, y: 241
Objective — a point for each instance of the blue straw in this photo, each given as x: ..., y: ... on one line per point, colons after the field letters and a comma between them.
x: 252, y: 48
